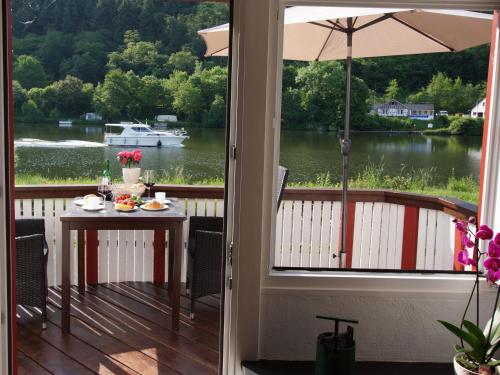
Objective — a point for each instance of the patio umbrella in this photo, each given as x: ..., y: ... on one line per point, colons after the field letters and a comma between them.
x: 332, y: 33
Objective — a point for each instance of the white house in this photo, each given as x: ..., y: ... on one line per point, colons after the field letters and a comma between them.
x: 394, y: 108
x: 91, y: 116
x: 166, y: 118
x: 479, y: 109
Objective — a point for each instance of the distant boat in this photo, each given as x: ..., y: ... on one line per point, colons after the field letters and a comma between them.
x: 130, y: 134
x: 65, y: 123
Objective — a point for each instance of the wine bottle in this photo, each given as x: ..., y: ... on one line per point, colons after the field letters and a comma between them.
x: 106, y: 181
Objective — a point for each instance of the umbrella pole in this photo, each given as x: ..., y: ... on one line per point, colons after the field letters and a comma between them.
x: 345, y: 145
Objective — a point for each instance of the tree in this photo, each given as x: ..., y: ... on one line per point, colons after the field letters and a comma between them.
x: 20, y: 96
x: 29, y: 72
x: 30, y: 111
x: 449, y: 94
x: 393, y: 91
x: 182, y: 60
x: 141, y: 57
x: 321, y: 88
x: 55, y: 48
x: 73, y: 96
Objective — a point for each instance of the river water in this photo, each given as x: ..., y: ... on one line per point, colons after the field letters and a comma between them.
x: 307, y: 154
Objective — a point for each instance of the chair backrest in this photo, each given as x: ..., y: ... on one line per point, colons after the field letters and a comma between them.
x: 205, y: 223
x: 282, y: 179
x: 26, y: 227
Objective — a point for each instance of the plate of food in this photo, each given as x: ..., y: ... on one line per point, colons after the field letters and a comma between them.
x: 127, y: 203
x: 124, y: 207
x: 154, y: 205
x: 83, y: 201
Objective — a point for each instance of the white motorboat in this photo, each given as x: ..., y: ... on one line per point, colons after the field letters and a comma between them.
x: 65, y: 123
x: 130, y: 134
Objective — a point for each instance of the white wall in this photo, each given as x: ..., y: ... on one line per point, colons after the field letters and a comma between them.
x: 393, y: 326
x: 272, y: 317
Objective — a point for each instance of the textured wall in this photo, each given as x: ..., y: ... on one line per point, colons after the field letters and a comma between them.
x: 394, y: 326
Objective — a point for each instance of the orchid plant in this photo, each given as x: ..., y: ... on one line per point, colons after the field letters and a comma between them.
x: 129, y: 158
x: 481, y: 345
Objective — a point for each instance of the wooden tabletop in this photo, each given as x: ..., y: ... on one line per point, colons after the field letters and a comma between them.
x: 76, y: 213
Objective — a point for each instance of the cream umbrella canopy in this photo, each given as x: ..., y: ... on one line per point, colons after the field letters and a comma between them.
x: 333, y: 33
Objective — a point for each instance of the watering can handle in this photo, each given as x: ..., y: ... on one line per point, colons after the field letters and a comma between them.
x: 337, y: 319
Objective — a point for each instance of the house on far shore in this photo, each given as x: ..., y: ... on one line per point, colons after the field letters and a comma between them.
x: 91, y: 116
x: 479, y: 109
x: 394, y: 108
x: 166, y: 118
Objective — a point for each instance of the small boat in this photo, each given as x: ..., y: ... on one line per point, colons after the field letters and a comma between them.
x: 131, y: 134
x: 65, y: 123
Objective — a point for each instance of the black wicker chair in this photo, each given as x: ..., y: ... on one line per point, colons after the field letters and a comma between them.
x: 31, y: 265
x: 205, y: 247
x: 204, y: 257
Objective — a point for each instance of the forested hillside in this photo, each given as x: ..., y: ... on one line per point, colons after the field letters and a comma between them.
x: 134, y: 59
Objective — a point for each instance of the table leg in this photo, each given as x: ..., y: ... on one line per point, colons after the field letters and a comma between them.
x: 66, y: 264
x: 81, y: 261
x: 171, y: 241
x: 176, y: 276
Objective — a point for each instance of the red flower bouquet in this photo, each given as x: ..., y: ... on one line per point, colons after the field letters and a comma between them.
x: 129, y: 159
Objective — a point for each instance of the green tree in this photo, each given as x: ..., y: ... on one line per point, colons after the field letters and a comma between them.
x: 141, y: 57
x: 29, y: 72
x: 45, y: 99
x: 393, y: 91
x: 30, y: 111
x: 20, y: 96
x: 182, y: 60
x: 73, y: 96
x: 322, y: 95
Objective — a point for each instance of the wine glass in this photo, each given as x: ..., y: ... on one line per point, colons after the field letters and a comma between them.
x: 103, y: 188
x: 149, y: 180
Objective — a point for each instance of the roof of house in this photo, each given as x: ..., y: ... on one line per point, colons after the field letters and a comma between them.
x: 410, y: 106
x: 480, y: 107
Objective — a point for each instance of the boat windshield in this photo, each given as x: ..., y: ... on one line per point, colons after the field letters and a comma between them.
x: 142, y: 129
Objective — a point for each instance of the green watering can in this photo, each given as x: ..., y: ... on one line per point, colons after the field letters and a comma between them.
x: 335, y: 353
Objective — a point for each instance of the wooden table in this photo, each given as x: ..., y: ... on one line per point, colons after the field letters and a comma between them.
x: 75, y: 218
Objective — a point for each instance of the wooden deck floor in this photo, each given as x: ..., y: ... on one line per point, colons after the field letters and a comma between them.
x: 121, y: 328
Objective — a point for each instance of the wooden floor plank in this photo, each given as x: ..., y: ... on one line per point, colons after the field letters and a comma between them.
x: 25, y: 365
x: 207, y: 318
x: 154, y: 315
x: 47, y: 356
x: 76, y: 349
x: 134, y: 338
x: 166, y: 336
x: 122, y: 329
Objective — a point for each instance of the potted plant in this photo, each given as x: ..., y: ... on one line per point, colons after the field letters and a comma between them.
x: 477, y: 347
x: 130, y: 161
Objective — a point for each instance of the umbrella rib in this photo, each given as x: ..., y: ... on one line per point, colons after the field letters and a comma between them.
x: 422, y: 33
x: 324, y: 44
x: 333, y: 27
x: 219, y: 50
x: 373, y: 22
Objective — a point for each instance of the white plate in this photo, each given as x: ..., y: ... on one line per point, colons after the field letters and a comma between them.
x: 80, y: 202
x: 165, y: 207
x: 133, y: 209
x: 167, y: 201
x: 89, y: 208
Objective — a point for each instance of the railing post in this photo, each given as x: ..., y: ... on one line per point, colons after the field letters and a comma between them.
x: 159, y: 257
x: 410, y: 238
x: 349, y: 238
x: 457, y: 248
x: 92, y: 256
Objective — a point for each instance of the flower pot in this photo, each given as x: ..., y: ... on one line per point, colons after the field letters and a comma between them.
x: 460, y: 370
x: 131, y: 175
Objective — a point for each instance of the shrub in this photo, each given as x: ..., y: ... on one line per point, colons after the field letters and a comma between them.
x: 466, y: 126
x: 441, y: 131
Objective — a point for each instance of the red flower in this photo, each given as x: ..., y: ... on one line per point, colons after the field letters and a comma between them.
x: 492, y: 264
x: 463, y: 258
x: 484, y: 233
x: 461, y: 225
x: 466, y: 241
x: 493, y: 276
x: 493, y: 249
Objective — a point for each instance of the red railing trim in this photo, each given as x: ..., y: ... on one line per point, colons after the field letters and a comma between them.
x: 410, y: 238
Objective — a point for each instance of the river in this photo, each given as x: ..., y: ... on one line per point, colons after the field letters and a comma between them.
x: 307, y: 154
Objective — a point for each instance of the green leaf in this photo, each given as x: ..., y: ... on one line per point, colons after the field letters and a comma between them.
x: 474, y: 330
x: 492, y: 349
x: 460, y: 349
x: 470, y: 339
x: 493, y: 363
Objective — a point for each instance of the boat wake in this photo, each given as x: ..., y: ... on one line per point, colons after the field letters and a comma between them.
x: 33, y: 142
